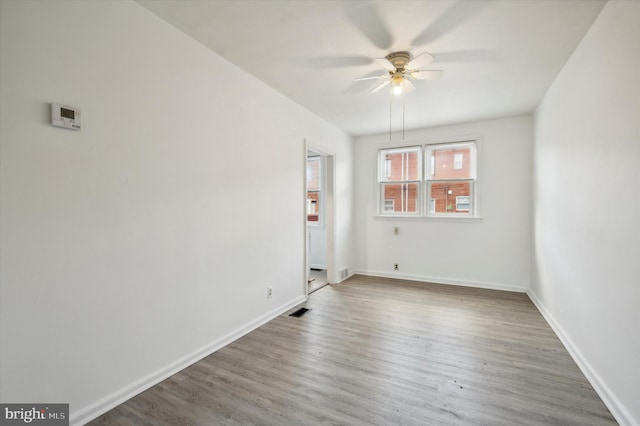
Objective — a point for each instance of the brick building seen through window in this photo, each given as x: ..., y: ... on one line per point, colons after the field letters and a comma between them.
x: 452, y: 196
x: 314, y: 186
x: 448, y: 181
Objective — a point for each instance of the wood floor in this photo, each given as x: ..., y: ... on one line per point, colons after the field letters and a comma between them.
x: 317, y: 279
x: 383, y: 352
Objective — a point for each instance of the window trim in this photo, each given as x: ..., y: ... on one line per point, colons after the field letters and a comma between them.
x: 424, y: 184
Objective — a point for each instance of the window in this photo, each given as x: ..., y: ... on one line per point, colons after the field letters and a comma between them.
x: 462, y: 203
x: 447, y: 187
x: 314, y: 187
x: 400, y: 174
x: 446, y: 182
x: 457, y: 160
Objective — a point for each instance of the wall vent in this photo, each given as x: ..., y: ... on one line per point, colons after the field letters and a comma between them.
x: 344, y: 273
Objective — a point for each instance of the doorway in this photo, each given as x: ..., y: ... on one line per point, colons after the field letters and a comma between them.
x: 319, y: 223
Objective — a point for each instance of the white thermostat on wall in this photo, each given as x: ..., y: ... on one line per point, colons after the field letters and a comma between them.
x: 65, y: 116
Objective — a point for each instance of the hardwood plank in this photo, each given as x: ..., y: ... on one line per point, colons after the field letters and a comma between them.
x: 378, y: 351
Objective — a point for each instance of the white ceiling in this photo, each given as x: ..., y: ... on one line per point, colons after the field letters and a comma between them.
x: 498, y: 56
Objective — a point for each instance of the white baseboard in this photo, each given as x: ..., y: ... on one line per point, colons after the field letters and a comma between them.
x: 618, y: 410
x: 439, y: 280
x: 95, y: 410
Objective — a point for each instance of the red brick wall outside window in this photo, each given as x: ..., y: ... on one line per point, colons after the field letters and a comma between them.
x: 443, y: 167
x: 401, y: 168
x: 450, y: 173
x: 314, y: 178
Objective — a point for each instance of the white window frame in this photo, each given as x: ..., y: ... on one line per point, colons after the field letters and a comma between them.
x: 426, y: 203
x: 320, y: 192
x: 384, y: 172
x: 471, y: 180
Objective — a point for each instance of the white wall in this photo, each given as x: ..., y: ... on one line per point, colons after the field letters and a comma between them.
x: 146, y: 240
x: 586, y: 264
x: 318, y: 247
x: 494, y: 251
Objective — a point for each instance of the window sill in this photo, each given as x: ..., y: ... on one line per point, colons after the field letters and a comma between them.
x: 465, y: 219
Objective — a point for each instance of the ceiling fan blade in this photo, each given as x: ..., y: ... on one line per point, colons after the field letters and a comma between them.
x: 380, y: 86
x: 368, y: 21
x: 371, y: 78
x: 426, y: 74
x: 337, y: 61
x: 468, y: 55
x: 419, y: 61
x: 384, y: 63
x: 408, y: 86
x: 453, y: 17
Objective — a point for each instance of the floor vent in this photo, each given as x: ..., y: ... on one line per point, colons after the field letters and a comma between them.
x: 344, y: 273
x: 300, y: 312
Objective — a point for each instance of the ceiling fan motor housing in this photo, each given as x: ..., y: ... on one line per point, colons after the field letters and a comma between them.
x: 399, y: 59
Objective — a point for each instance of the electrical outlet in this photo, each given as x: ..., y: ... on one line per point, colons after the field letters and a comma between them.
x: 396, y: 230
x: 269, y: 292
x: 395, y: 267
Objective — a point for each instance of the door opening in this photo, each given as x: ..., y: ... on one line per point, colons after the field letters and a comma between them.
x: 319, y: 223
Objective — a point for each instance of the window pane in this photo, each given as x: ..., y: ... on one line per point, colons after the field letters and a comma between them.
x: 313, y: 174
x: 450, y: 197
x: 400, y: 198
x: 397, y: 165
x: 451, y: 161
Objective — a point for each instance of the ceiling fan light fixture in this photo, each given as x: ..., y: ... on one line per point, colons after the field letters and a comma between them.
x: 397, y: 82
x: 401, y: 69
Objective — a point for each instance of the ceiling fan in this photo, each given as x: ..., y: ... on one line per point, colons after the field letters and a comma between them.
x: 401, y: 69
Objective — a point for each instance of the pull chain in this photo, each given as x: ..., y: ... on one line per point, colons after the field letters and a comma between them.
x: 390, y: 112
x: 403, y: 97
